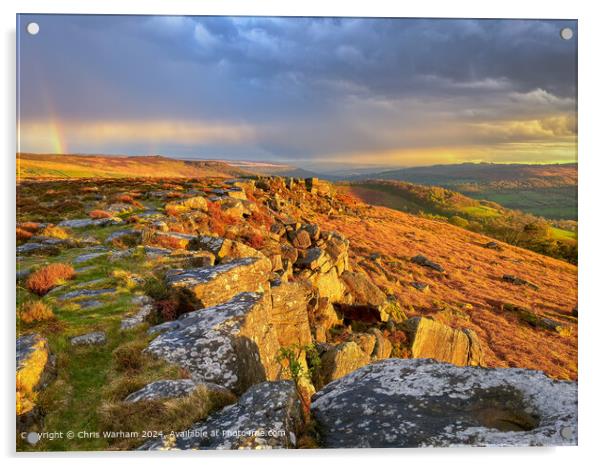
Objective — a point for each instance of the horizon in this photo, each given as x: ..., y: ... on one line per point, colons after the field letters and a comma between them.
x: 322, y: 94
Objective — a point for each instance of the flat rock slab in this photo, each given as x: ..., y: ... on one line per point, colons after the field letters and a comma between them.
x: 267, y: 416
x: 88, y: 257
x: 88, y: 222
x: 94, y: 338
x: 162, y: 389
x: 218, y: 284
x: 86, y: 293
x: 138, y: 318
x: 422, y: 403
x: 232, y: 344
x: 167, y: 389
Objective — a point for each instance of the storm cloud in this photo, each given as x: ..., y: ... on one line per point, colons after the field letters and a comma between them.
x: 313, y: 91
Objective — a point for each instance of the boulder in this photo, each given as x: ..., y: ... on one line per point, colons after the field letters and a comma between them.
x: 366, y: 341
x: 231, y: 344
x: 35, y: 369
x: 289, y: 313
x: 432, y: 339
x: 220, y: 283
x: 423, y: 261
x: 382, y: 346
x: 300, y: 239
x: 267, y: 416
x: 365, y: 302
x: 422, y: 403
x: 328, y: 285
x: 313, y: 259
x: 341, y: 360
x: 325, y: 317
x: 224, y: 249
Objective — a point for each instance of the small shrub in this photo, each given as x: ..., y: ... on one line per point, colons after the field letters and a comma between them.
x: 43, y: 280
x: 100, y: 214
x: 129, y: 357
x: 35, y: 311
x: 127, y: 199
x: 23, y: 235
x: 55, y: 232
x: 256, y: 240
x: 170, y: 242
x: 173, y: 210
x: 124, y: 279
x: 30, y: 226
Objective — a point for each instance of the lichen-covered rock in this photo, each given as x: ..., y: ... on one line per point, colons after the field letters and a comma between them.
x: 365, y: 294
x: 432, y: 339
x: 218, y: 284
x: 138, y: 318
x: 289, y: 313
x: 191, y: 203
x: 422, y: 403
x: 232, y: 344
x: 267, y: 416
x: 166, y: 389
x: 341, y: 360
x: 88, y: 222
x: 224, y: 249
x: 35, y: 368
x: 94, y: 338
x: 328, y: 285
x: 162, y: 389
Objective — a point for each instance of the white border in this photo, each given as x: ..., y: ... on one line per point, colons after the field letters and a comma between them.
x: 590, y: 225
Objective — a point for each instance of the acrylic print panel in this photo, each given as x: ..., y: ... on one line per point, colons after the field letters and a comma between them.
x: 256, y: 232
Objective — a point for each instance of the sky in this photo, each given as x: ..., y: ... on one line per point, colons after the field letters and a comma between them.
x: 319, y: 93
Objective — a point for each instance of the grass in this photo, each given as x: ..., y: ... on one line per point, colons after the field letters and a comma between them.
x: 558, y: 233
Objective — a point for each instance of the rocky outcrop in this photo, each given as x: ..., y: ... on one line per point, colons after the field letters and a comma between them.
x: 341, y: 360
x: 421, y: 403
x: 231, y: 344
x: 220, y: 283
x: 35, y: 369
x: 432, y: 339
x: 267, y: 416
x: 166, y: 389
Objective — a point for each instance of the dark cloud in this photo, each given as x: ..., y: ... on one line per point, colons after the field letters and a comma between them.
x: 309, y: 86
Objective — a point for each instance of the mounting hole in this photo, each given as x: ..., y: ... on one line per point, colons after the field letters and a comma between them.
x: 566, y: 33
x: 33, y: 28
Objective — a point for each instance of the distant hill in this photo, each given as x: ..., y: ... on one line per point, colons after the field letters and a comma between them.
x: 63, y: 166
x: 546, y: 190
x: 273, y: 169
x: 553, y: 238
